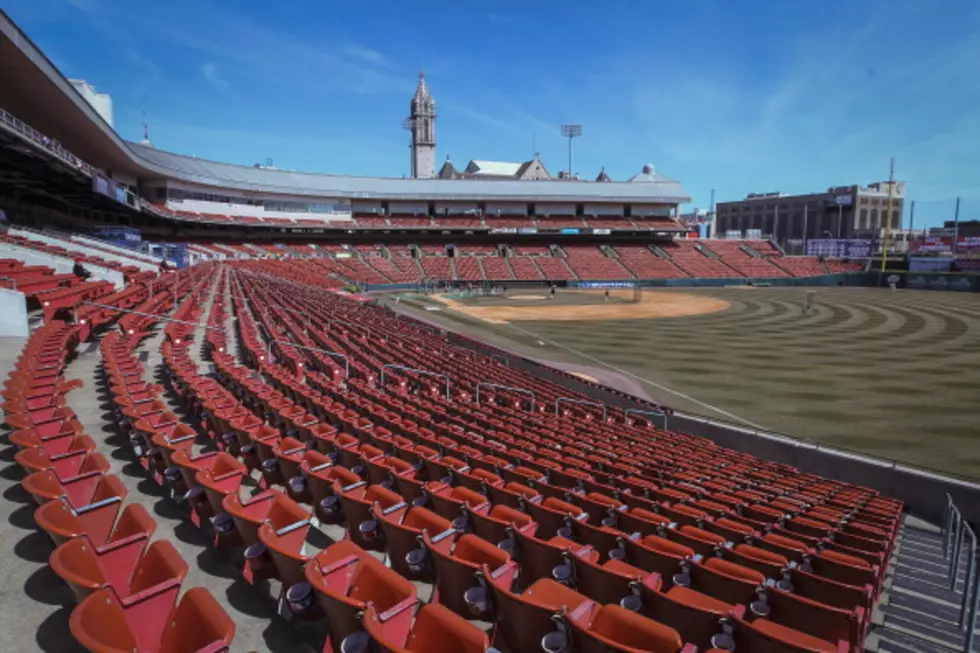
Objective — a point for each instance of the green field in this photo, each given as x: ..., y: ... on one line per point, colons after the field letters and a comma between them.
x: 896, y: 375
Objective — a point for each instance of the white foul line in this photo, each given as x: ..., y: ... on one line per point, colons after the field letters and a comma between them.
x: 641, y: 379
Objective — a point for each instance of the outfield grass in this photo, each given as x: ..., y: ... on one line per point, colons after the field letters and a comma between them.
x: 896, y: 375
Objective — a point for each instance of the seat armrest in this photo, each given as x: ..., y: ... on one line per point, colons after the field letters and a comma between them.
x: 295, y: 526
x: 394, y: 508
x: 449, y: 532
x: 398, y: 608
x: 339, y: 564
x: 98, y: 504
x: 150, y: 592
x: 120, y: 543
x: 183, y: 438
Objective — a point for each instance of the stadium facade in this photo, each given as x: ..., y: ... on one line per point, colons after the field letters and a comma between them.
x: 33, y: 90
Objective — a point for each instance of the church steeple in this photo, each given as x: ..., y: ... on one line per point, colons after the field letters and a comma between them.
x: 146, y: 131
x: 422, y: 123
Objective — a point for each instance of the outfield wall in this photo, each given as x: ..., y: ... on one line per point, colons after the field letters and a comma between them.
x: 922, y: 491
x: 911, y: 280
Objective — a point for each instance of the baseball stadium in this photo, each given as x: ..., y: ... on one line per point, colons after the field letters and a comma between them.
x: 471, y: 410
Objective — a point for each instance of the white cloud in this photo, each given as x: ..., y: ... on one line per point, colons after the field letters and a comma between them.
x: 365, y: 54
x: 210, y: 72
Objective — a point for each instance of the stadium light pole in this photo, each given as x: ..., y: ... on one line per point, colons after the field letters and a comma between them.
x: 570, y: 132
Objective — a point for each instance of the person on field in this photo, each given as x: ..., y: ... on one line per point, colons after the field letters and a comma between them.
x: 551, y: 293
x: 607, y: 296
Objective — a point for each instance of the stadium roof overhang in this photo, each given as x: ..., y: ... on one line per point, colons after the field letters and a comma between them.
x: 34, y: 90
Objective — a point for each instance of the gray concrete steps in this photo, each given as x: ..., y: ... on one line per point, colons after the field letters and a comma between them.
x: 918, y: 611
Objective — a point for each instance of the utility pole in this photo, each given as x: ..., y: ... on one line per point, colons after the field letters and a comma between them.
x: 805, y: 230
x: 840, y: 219
x: 711, y: 216
x: 888, y: 214
x: 775, y: 225
x: 956, y: 225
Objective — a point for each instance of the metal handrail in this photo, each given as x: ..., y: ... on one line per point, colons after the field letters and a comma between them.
x: 656, y: 413
x: 316, y: 349
x: 414, y: 369
x: 22, y: 128
x: 954, y: 529
x: 153, y: 315
x: 570, y: 400
x: 505, y: 387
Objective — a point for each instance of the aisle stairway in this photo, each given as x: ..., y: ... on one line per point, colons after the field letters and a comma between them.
x: 918, y: 612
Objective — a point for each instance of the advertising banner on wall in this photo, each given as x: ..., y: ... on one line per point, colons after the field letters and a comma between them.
x: 839, y: 248
x: 929, y: 264
x: 943, y: 282
x: 607, y: 284
x: 944, y: 244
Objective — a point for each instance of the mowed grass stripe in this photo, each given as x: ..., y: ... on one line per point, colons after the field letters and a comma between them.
x: 892, y: 374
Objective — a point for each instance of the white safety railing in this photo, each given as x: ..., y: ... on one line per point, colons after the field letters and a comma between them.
x: 955, y: 530
x: 334, y: 354
x: 417, y: 371
x: 484, y: 384
x: 582, y: 402
x: 655, y: 413
x: 20, y: 127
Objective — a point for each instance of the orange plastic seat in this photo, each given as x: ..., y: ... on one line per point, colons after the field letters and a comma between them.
x: 357, y: 503
x: 497, y: 525
x: 764, y: 636
x: 696, y: 616
x: 456, y: 568
x: 345, y: 579
x: 844, y: 568
x: 82, y: 490
x: 283, y: 534
x: 268, y: 506
x: 611, y: 628
x: 657, y: 554
x: 523, y: 620
x: 62, y: 521
x: 452, y: 502
x: 547, y: 558
x: 766, y: 562
x: 402, y: 530
x: 610, y: 582
x: 642, y: 521
x: 814, y: 618
x: 513, y: 494
x: 553, y: 514
x: 86, y: 567
x: 103, y: 624
x: 436, y: 629
x: 222, y: 478
x: 79, y: 459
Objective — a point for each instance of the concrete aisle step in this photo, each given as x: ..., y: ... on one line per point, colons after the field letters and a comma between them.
x: 34, y: 603
x: 918, y: 611
x: 252, y: 608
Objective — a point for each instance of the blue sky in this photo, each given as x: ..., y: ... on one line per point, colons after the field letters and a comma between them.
x: 736, y: 96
